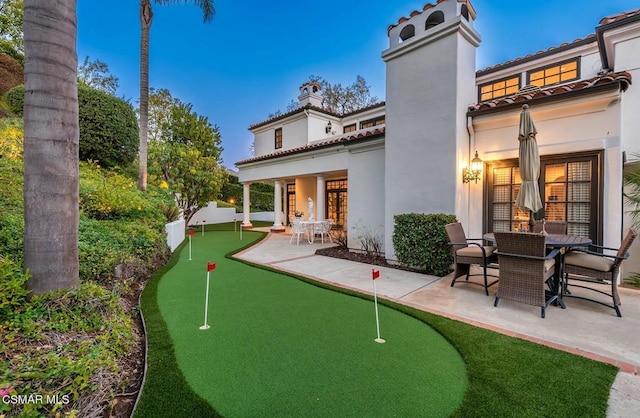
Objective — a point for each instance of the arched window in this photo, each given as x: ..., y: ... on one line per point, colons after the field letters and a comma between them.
x: 407, y: 32
x: 464, y: 10
x: 435, y: 19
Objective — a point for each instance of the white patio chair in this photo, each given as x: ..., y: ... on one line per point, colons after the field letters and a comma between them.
x: 298, y: 229
x: 323, y: 228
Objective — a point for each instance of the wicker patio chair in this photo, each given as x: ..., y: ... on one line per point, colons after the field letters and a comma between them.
x: 466, y: 253
x: 552, y: 227
x: 593, y: 266
x: 525, y: 267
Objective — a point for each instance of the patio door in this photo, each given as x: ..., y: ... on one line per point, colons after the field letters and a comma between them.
x: 570, y: 188
x: 336, y: 198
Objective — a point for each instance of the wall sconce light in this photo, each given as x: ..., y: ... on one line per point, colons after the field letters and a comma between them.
x: 472, y: 173
x: 328, y: 128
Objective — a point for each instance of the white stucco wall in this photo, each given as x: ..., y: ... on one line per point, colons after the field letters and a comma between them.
x: 366, y: 193
x: 309, y: 163
x: 628, y: 59
x: 294, y: 134
x: 563, y: 127
x: 428, y: 89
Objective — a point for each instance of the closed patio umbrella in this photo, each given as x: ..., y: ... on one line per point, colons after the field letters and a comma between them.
x: 529, y: 159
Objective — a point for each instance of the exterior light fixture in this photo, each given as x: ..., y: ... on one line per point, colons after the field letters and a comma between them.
x: 472, y: 173
x: 328, y: 128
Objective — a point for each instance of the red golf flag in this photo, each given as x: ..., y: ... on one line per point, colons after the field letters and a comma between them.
x: 210, y: 266
x: 375, y: 273
x: 192, y: 232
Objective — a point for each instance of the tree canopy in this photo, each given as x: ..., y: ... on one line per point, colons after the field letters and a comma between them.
x: 345, y: 99
x: 186, y: 156
x: 11, y: 35
x: 96, y: 74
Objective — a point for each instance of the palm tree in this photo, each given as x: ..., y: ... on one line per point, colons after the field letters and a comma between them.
x: 146, y: 15
x: 632, y: 190
x: 51, y: 138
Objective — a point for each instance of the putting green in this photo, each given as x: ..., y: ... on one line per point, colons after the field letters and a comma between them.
x: 278, y: 346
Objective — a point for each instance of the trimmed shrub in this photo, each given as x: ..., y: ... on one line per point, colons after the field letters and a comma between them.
x: 108, y: 128
x: 420, y: 241
x: 14, y: 100
x: 108, y: 125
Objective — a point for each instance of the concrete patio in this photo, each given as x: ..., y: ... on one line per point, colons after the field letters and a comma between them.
x: 584, y: 328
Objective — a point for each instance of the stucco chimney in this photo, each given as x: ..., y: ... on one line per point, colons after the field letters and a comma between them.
x: 310, y: 94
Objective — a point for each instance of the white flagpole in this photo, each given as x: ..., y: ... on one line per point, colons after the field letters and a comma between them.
x: 375, y: 301
x: 206, y: 305
x: 240, y: 232
x: 203, y: 221
x: 189, y: 246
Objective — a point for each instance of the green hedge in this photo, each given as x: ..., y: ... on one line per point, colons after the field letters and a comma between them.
x: 260, y: 200
x: 14, y: 99
x: 420, y: 241
x: 108, y: 128
x: 108, y: 125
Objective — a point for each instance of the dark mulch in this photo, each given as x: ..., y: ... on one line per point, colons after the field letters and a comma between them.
x: 345, y: 254
x: 121, y: 406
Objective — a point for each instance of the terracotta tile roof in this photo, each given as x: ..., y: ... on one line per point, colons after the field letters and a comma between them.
x: 348, y: 138
x: 567, y: 45
x: 539, y: 54
x: 529, y: 94
x: 363, y: 109
x: 472, y: 12
x: 293, y: 112
x: 618, y: 17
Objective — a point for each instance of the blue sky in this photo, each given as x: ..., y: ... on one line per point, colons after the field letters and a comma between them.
x: 251, y: 59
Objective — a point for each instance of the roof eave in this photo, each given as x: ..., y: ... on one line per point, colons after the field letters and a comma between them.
x: 616, y: 84
x: 344, y: 142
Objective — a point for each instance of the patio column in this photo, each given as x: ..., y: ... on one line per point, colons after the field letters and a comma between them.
x: 277, y: 207
x: 320, y: 215
x: 246, y: 206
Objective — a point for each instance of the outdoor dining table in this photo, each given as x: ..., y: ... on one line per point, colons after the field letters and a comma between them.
x: 310, y: 225
x: 556, y: 241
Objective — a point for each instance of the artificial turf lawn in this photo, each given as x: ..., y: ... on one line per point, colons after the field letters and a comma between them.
x: 281, y: 347
x: 507, y: 376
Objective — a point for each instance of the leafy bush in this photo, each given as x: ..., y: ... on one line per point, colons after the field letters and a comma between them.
x: 11, y: 138
x: 171, y: 212
x: 108, y: 125
x: 14, y: 99
x: 12, y: 236
x: 108, y: 128
x: 67, y: 344
x: 11, y: 73
x: 108, y: 195
x: 13, y: 288
x: 420, y: 241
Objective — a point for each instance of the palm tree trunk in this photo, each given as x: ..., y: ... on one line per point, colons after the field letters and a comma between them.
x: 51, y: 138
x: 146, y: 15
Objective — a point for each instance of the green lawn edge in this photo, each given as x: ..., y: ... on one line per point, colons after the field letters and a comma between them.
x: 165, y: 391
x: 507, y: 376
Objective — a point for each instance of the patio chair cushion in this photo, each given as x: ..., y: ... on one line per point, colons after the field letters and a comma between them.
x: 593, y: 262
x: 549, y: 265
x: 475, y: 251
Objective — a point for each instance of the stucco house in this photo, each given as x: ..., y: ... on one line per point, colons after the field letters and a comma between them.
x: 409, y: 153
